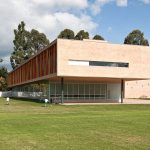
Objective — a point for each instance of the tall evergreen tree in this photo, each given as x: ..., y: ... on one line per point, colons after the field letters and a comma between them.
x: 38, y: 41
x: 26, y: 44
x: 66, y: 34
x: 20, y: 45
x: 82, y: 35
x: 136, y: 37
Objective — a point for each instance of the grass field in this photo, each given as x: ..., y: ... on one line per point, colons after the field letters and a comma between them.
x: 31, y: 126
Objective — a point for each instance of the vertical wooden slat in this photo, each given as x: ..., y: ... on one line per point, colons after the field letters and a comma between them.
x: 55, y: 58
x: 40, y: 64
x: 37, y: 66
x: 46, y: 62
x: 49, y: 61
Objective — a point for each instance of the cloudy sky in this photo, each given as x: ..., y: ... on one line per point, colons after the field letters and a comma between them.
x: 113, y: 19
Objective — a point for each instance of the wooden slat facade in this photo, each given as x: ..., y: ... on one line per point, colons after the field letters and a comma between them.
x: 42, y: 64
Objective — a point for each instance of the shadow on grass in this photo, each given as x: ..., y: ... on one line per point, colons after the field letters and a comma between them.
x: 28, y: 100
x: 40, y: 101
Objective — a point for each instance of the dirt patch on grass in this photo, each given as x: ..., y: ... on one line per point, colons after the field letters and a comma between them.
x: 133, y: 140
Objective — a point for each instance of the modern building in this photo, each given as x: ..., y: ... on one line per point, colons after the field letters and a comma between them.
x: 82, y: 71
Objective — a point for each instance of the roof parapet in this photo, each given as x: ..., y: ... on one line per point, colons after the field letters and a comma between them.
x: 99, y: 41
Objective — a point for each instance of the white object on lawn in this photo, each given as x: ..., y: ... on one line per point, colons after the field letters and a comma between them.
x: 46, y: 100
x: 7, y: 100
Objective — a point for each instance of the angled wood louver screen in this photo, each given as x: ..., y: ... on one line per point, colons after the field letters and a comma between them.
x: 42, y: 64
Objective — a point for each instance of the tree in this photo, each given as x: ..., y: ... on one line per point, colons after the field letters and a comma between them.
x: 26, y: 44
x: 38, y: 41
x: 20, y: 45
x: 66, y: 34
x: 82, y: 35
x: 3, y: 78
x: 3, y: 72
x: 136, y: 37
x: 3, y: 84
x: 98, y: 37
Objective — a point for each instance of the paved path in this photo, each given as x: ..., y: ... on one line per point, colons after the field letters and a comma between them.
x: 136, y: 101
x: 125, y: 101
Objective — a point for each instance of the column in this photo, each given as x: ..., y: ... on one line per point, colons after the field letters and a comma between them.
x: 122, y: 90
x: 62, y: 90
x: 49, y: 91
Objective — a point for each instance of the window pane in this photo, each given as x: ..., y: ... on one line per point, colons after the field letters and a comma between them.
x: 76, y: 90
x: 110, y: 64
x: 52, y: 89
x: 87, y: 92
x: 58, y: 89
x: 92, y: 90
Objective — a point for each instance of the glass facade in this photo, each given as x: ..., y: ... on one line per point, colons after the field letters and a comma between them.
x: 75, y: 91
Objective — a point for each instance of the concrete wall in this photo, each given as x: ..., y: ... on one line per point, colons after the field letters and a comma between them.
x: 90, y: 50
x: 137, y: 89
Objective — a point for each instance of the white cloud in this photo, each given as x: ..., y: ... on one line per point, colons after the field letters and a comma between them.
x: 98, y: 4
x: 146, y: 1
x: 122, y: 3
x: 61, y: 4
x: 50, y: 6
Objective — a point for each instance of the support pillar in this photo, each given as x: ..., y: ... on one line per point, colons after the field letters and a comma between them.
x: 49, y: 93
x: 122, y: 90
x: 62, y: 90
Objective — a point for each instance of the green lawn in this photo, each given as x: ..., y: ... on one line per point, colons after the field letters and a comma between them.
x: 30, y: 126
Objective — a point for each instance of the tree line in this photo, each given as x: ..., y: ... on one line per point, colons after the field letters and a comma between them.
x: 69, y: 34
